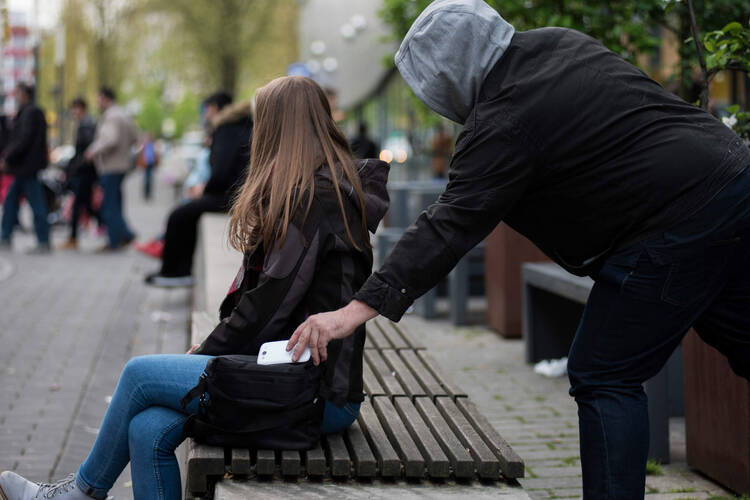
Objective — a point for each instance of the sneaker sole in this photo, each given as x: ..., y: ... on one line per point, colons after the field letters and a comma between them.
x: 172, y: 282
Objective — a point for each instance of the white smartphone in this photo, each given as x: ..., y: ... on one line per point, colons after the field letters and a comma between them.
x: 275, y: 353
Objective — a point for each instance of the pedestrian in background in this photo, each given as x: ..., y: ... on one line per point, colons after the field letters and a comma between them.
x: 25, y: 156
x: 442, y: 145
x: 81, y: 172
x: 362, y: 145
x: 111, y: 153
x: 232, y: 126
x: 148, y: 160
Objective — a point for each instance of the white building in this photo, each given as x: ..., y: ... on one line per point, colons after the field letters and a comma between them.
x: 17, y: 62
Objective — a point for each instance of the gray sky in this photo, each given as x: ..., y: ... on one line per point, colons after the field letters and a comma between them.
x: 48, y: 10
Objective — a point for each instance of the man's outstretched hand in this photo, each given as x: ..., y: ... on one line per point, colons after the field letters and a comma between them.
x: 319, y: 329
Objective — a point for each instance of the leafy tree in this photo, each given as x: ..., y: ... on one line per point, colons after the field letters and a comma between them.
x: 631, y: 28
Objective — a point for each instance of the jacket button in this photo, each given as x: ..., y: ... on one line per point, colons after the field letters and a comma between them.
x: 403, y: 290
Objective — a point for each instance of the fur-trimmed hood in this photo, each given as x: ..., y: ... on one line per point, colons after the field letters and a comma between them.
x: 232, y: 113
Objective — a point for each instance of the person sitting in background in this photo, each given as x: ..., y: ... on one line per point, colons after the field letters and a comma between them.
x: 81, y: 172
x: 115, y: 136
x: 25, y: 156
x: 230, y: 153
x: 362, y: 146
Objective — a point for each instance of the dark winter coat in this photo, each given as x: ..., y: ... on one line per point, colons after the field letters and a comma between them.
x: 230, y: 150
x: 317, y: 269
x: 26, y: 151
x: 84, y: 137
x: 568, y: 144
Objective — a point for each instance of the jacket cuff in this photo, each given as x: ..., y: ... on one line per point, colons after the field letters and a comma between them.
x: 384, y: 298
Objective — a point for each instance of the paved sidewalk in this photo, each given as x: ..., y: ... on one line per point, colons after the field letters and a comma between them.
x: 536, y: 415
x: 68, y: 324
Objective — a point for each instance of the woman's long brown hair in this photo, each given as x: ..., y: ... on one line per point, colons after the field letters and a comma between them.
x: 293, y: 136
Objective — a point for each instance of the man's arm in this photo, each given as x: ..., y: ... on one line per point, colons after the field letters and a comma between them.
x: 104, y: 139
x: 489, y: 172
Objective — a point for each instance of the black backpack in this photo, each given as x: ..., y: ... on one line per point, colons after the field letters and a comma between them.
x: 247, y: 405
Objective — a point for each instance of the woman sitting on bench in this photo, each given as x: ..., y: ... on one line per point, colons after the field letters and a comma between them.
x: 302, y: 220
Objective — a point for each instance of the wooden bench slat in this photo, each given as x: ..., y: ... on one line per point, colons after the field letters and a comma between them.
x: 384, y: 374
x: 388, y: 461
x: 432, y: 366
x: 338, y: 455
x: 461, y: 462
x: 203, y: 461
x: 315, y: 461
x: 403, y: 374
x: 438, y: 465
x: 488, y: 465
x: 240, y: 463
x: 510, y: 463
x: 365, y: 465
x: 395, y: 340
x: 400, y: 437
x: 371, y: 383
x: 425, y: 378
x: 375, y: 338
x: 290, y: 463
x: 410, y: 340
x: 265, y: 463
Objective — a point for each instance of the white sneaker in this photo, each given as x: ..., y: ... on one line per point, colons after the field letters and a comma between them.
x: 15, y: 487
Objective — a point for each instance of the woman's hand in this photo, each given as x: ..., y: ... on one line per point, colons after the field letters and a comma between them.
x: 193, y: 348
x: 319, y: 329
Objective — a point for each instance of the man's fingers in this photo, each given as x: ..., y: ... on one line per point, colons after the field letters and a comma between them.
x: 295, y: 337
x: 301, y: 341
x: 322, y: 348
x: 313, y: 344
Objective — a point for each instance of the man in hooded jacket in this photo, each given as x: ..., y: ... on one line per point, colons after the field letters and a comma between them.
x: 612, y: 177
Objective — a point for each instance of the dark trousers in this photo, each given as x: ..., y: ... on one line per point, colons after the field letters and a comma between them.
x: 182, y: 229
x: 148, y: 175
x: 83, y: 188
x: 643, y: 302
x: 117, y: 228
x: 34, y: 192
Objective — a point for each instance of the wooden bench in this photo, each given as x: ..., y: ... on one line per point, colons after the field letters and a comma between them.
x: 414, y: 425
x: 553, y: 302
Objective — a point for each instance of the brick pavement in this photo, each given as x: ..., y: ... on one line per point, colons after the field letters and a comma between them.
x: 536, y: 415
x: 68, y: 324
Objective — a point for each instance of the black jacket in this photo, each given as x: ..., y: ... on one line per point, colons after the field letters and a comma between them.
x: 230, y: 151
x: 84, y: 137
x: 26, y: 151
x: 316, y: 270
x: 574, y: 148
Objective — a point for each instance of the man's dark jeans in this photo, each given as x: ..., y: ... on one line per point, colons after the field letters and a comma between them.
x: 83, y: 188
x: 111, y: 211
x: 645, y: 299
x: 34, y: 192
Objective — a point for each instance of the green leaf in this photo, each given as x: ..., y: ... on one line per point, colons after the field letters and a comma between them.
x: 733, y: 27
x: 733, y: 109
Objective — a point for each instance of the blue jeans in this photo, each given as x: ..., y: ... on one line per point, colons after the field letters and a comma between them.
x: 645, y: 299
x: 34, y: 192
x: 111, y: 210
x: 143, y: 426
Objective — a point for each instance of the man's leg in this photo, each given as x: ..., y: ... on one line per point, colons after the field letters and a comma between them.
x: 112, y: 209
x: 10, y: 210
x: 180, y: 238
x: 643, y: 302
x: 76, y: 183
x: 34, y: 192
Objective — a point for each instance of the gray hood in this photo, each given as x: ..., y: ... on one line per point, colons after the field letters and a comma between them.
x: 449, y: 51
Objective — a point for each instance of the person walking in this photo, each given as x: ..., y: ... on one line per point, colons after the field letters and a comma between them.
x: 229, y: 156
x: 25, y: 156
x: 612, y: 177
x: 81, y: 172
x: 301, y: 162
x: 111, y: 153
x: 148, y: 159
